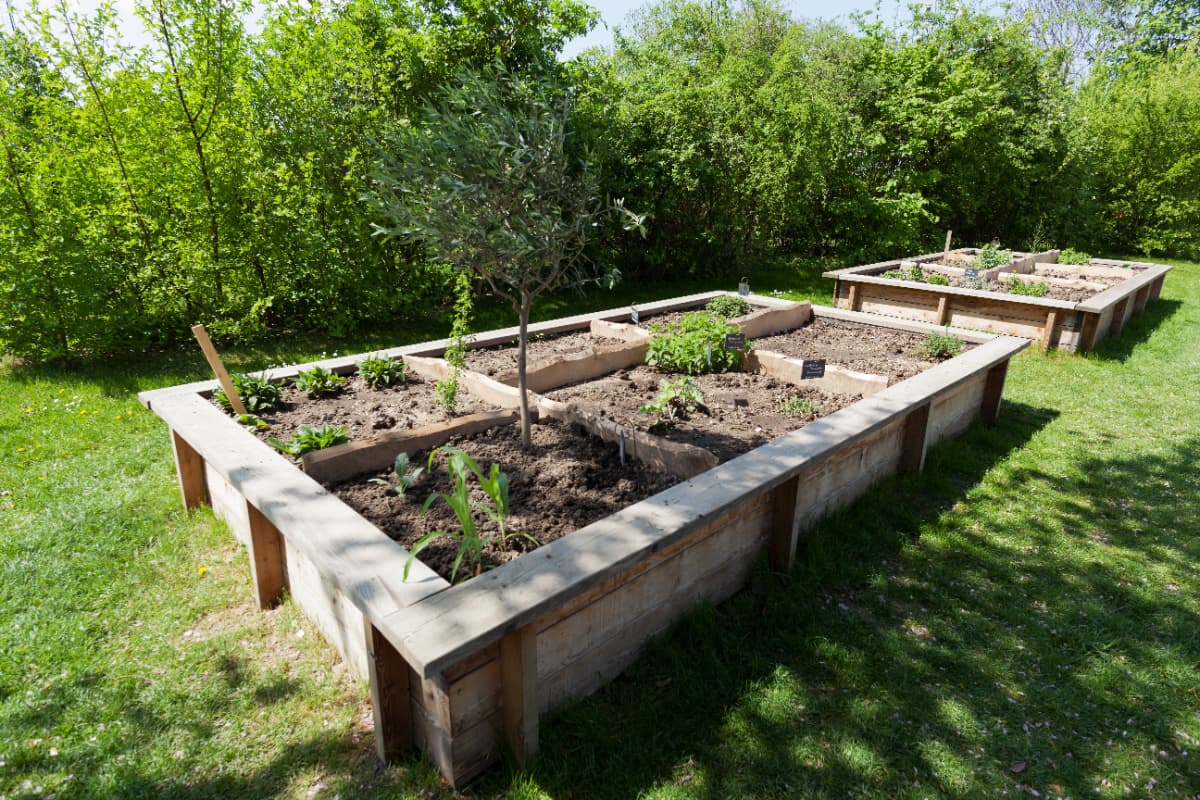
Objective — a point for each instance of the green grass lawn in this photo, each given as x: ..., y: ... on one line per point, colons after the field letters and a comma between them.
x: 1021, y: 620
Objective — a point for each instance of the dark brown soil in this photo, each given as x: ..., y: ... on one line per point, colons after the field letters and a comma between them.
x: 503, y: 359
x: 1052, y: 292
x: 743, y: 410
x: 567, y: 481
x: 862, y: 348
x: 364, y: 411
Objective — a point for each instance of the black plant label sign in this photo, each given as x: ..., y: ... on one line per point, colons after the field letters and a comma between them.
x: 812, y: 369
x: 735, y: 341
x: 971, y: 273
x: 738, y: 402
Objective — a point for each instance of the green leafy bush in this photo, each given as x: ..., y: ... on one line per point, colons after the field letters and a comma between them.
x: 938, y: 280
x: 894, y: 274
x: 258, y: 394
x: 319, y: 382
x: 676, y: 400
x: 992, y: 255
x: 694, y: 345
x: 939, y: 346
x: 309, y: 440
x: 1033, y: 289
x: 1070, y: 256
x: 471, y: 542
x: 728, y: 306
x: 379, y: 371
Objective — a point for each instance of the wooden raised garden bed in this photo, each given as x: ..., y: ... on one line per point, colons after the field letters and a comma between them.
x: 1083, y: 303
x: 464, y: 670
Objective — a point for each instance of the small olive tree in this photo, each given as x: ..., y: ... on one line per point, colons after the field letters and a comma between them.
x: 487, y: 180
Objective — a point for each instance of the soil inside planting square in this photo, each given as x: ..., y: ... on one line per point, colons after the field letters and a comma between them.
x: 1071, y: 295
x: 742, y: 410
x: 568, y: 480
x: 862, y: 348
x: 501, y: 360
x: 365, y: 411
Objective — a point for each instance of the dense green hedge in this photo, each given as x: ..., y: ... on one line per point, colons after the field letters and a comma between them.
x: 217, y: 176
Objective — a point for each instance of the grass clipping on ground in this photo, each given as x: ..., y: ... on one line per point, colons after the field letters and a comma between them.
x: 1021, y: 620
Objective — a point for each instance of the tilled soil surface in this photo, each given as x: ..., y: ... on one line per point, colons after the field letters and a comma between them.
x: 363, y: 410
x: 568, y: 480
x: 742, y: 410
x: 502, y: 359
x: 1052, y: 292
x: 862, y: 348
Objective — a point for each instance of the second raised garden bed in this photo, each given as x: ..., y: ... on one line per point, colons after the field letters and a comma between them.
x: 459, y: 670
x: 1082, y: 304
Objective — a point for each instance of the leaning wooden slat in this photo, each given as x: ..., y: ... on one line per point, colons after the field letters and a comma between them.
x: 448, y: 626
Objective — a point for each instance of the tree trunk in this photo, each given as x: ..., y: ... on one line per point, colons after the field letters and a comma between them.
x: 522, y: 342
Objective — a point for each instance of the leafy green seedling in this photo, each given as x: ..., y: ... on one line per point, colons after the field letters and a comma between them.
x: 1070, y: 256
x: 728, y: 306
x: 939, y: 346
x: 694, y: 344
x: 797, y: 406
x: 978, y: 282
x: 938, y: 280
x: 916, y: 274
x: 992, y: 255
x: 378, y: 371
x: 319, y: 382
x: 893, y: 274
x: 1032, y: 289
x: 675, y: 401
x: 252, y: 421
x: 406, y: 475
x: 258, y: 394
x: 309, y: 440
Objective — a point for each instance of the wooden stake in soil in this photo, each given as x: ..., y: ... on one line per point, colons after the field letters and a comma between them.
x: 218, y: 368
x: 946, y: 252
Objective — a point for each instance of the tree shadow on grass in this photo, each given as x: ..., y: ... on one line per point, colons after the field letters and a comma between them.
x: 1010, y: 649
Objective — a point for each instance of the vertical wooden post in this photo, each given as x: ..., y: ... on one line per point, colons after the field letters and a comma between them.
x: 946, y: 252
x: 1091, y: 326
x: 189, y: 465
x: 1141, y: 298
x: 943, y: 309
x: 854, y: 299
x: 993, y: 389
x: 266, y: 559
x: 1118, y: 318
x: 1048, y: 330
x: 912, y: 450
x: 781, y: 547
x: 1155, y: 289
x: 519, y: 691
x: 391, y: 707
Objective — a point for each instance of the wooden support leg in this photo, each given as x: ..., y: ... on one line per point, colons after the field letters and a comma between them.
x: 943, y: 312
x: 784, y: 526
x: 993, y: 389
x: 190, y: 467
x: 855, y: 301
x: 1087, y: 337
x: 1141, y: 298
x: 519, y: 691
x: 1118, y: 317
x: 1048, y: 330
x: 391, y: 706
x: 912, y: 453
x: 1155, y: 290
x: 266, y: 559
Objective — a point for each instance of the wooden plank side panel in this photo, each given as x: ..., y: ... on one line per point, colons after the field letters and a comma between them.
x: 953, y: 412
x: 840, y: 481
x: 338, y: 619
x: 228, y: 504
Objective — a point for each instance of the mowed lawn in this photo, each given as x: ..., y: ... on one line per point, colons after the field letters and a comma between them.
x: 1022, y: 620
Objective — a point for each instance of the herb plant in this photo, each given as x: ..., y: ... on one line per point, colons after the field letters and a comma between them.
x: 694, y: 345
x: 797, y: 406
x: 309, y: 440
x: 1070, y: 256
x: 252, y: 421
x: 319, y: 382
x: 1033, y: 289
x: 938, y: 280
x: 978, y: 282
x: 675, y: 401
x: 916, y: 274
x: 471, y: 542
x: 379, y: 371
x: 258, y: 394
x: 939, y: 347
x: 406, y: 475
x: 992, y: 255
x: 893, y: 274
x: 728, y: 306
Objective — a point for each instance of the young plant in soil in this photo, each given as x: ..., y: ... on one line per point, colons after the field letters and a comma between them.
x: 1071, y: 256
x: 379, y: 372
x: 991, y: 255
x: 939, y: 347
x: 406, y: 475
x: 1034, y: 289
x: 978, y: 282
x: 728, y: 306
x: 319, y: 382
x: 938, y: 280
x: 258, y: 394
x: 471, y: 542
x: 797, y: 406
x: 309, y: 440
x: 676, y: 400
x: 694, y: 345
